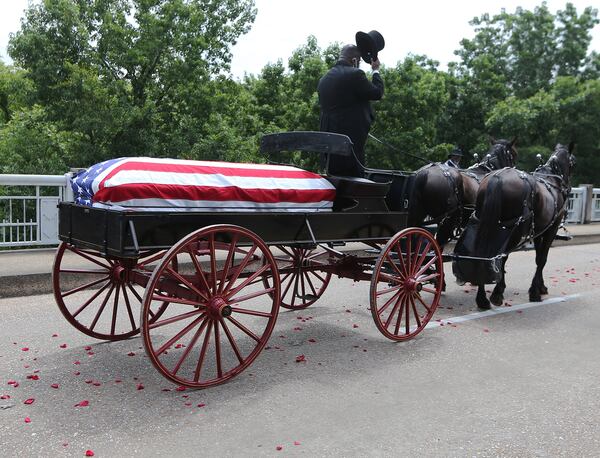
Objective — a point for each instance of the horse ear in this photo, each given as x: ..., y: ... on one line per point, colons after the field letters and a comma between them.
x: 571, y: 147
x: 513, y: 142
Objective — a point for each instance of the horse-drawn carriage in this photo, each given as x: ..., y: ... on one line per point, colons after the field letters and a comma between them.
x: 207, y: 285
x: 204, y: 286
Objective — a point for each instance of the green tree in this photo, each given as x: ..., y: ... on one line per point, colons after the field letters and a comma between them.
x: 407, y: 116
x: 124, y: 73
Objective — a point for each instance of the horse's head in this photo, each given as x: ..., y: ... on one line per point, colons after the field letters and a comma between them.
x: 502, y: 153
x: 562, y: 161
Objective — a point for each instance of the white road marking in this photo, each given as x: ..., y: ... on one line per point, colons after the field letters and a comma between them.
x: 499, y: 310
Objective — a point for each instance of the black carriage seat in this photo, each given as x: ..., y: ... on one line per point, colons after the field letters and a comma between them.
x: 359, y: 194
x: 352, y: 193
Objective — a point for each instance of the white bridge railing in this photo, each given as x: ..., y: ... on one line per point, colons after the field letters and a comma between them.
x: 29, y: 215
x: 28, y: 209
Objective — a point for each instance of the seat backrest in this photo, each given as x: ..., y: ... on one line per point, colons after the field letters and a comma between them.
x: 307, y: 141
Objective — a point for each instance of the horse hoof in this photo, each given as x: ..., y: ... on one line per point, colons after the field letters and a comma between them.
x: 543, y: 290
x: 535, y: 298
x: 497, y: 299
x: 484, y: 306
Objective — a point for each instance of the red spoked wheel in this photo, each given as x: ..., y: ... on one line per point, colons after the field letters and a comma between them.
x: 303, y: 281
x: 406, y: 284
x: 221, y: 313
x: 98, y: 295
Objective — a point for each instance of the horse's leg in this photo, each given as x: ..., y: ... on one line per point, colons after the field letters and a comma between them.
x: 497, y: 297
x: 482, y: 301
x: 542, y: 247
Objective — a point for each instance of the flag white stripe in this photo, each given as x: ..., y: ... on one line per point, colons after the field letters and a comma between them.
x: 200, y: 205
x: 128, y: 177
x: 229, y: 165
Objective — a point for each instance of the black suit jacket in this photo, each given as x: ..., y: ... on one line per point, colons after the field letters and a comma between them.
x: 344, y: 96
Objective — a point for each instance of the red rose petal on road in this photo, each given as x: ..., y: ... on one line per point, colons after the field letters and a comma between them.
x: 180, y: 388
x: 5, y: 396
x: 300, y: 359
x: 27, y: 420
x: 29, y: 401
x: 33, y: 377
x: 486, y: 330
x: 25, y: 349
x: 11, y: 382
x: 312, y: 340
x: 140, y: 386
x: 201, y: 405
x: 77, y: 363
x: 355, y: 326
x: 55, y: 335
x: 83, y: 404
x: 131, y: 353
x: 279, y: 448
x: 296, y: 443
x: 54, y: 385
x: 89, y: 453
x: 87, y: 348
x: 63, y: 345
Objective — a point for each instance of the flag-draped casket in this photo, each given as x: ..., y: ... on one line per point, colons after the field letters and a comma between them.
x: 141, y: 183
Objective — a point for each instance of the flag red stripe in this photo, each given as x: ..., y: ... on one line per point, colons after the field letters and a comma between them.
x: 144, y: 191
x: 267, y: 172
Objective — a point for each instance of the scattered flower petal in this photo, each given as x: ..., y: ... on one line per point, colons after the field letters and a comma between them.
x: 140, y: 386
x: 55, y: 386
x: 63, y: 345
x: 279, y: 448
x: 27, y: 420
x: 84, y: 403
x: 296, y: 443
x: 29, y: 401
x: 89, y: 453
x: 300, y: 359
x: 25, y: 349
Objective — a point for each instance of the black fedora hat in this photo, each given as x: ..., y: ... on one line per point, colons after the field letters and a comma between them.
x: 369, y: 44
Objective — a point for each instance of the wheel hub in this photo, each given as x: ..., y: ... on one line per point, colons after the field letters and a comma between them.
x: 218, y: 307
x: 119, y: 274
x: 413, y: 285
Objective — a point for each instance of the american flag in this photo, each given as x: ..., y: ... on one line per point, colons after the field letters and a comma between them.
x: 176, y: 184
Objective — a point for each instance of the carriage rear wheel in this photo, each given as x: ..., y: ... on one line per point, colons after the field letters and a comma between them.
x: 406, y: 284
x: 221, y: 312
x: 97, y: 295
x: 303, y: 281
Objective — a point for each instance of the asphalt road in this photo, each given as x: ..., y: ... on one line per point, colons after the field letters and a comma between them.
x: 520, y: 381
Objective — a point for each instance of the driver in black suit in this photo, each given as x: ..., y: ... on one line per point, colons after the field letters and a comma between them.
x: 344, y: 96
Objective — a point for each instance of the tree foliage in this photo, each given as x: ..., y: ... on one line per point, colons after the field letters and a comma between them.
x: 95, y: 79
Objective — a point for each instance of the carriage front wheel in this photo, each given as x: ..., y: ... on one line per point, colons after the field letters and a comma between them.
x: 406, y: 284
x: 221, y: 313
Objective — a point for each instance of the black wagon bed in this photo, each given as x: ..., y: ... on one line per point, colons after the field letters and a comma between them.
x: 127, y: 233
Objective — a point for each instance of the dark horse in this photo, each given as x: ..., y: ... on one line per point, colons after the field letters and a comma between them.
x: 444, y: 193
x: 513, y: 207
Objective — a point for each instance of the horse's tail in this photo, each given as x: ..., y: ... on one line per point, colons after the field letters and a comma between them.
x: 416, y: 215
x: 489, y: 214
